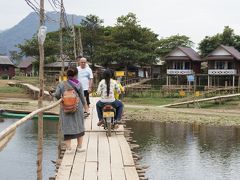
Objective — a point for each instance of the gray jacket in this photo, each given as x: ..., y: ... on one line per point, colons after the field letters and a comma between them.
x: 72, y: 123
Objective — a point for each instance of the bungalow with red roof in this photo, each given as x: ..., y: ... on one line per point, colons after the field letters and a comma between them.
x: 7, y: 68
x: 223, y: 66
x: 182, y: 62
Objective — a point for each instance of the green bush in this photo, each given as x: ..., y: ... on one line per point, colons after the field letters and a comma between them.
x: 4, y: 76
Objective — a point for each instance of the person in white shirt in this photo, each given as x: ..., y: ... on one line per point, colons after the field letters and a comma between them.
x: 85, y: 76
x: 106, y: 89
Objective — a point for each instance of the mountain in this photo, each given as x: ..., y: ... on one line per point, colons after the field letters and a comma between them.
x: 27, y: 27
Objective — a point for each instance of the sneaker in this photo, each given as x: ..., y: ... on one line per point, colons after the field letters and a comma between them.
x: 80, y: 149
x: 100, y: 122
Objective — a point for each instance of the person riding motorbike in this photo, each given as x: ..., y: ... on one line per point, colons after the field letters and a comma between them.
x: 106, y: 89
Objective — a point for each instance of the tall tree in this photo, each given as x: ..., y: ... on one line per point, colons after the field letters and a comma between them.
x: 51, y: 46
x: 166, y: 45
x: 15, y: 57
x: 105, y: 53
x: 92, y: 31
x: 227, y: 37
x: 132, y: 43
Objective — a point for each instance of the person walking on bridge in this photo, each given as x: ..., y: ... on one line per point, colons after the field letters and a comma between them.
x: 72, y: 122
x: 85, y: 76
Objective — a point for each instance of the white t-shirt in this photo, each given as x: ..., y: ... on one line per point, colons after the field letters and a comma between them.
x: 102, y: 90
x: 84, y: 76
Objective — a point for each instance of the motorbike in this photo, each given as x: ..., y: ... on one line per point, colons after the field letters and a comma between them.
x: 108, y: 117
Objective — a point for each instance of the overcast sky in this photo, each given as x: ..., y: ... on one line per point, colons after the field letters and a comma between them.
x: 194, y: 18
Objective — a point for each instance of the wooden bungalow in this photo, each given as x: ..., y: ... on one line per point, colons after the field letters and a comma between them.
x: 53, y: 70
x: 26, y: 66
x: 181, y: 62
x: 223, y: 67
x: 7, y: 68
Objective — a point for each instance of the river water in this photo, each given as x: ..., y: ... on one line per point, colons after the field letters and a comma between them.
x: 188, y: 151
x: 174, y: 151
x: 18, y: 158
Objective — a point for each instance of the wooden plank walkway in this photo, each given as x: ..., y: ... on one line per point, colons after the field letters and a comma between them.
x: 105, y: 158
x: 33, y: 90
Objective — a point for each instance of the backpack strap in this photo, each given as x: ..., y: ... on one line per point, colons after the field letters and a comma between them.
x: 65, y: 85
x: 74, y: 88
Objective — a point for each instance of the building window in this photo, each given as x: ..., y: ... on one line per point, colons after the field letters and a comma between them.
x: 178, y: 65
x: 5, y: 68
x: 230, y: 65
x: 219, y: 65
x: 187, y: 65
x: 181, y: 65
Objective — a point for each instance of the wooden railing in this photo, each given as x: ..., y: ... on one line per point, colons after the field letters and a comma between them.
x: 131, y: 81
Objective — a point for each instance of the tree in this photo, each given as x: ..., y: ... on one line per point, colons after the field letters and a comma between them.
x: 227, y: 37
x: 130, y: 43
x: 51, y: 46
x: 166, y: 45
x: 15, y: 57
x: 92, y: 32
x: 105, y: 53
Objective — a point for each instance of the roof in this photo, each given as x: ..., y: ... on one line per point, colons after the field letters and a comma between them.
x: 230, y: 49
x: 189, y: 52
x: 26, y: 62
x: 235, y: 53
x: 5, y: 60
x: 58, y: 64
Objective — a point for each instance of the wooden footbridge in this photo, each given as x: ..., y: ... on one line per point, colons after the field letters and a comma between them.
x: 105, y: 158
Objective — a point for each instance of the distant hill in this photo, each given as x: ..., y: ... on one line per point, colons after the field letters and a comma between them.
x: 27, y: 27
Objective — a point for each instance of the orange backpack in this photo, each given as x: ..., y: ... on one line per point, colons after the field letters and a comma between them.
x: 70, y: 99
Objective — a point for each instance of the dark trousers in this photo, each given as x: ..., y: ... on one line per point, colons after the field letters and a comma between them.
x: 118, y: 105
x: 86, y: 94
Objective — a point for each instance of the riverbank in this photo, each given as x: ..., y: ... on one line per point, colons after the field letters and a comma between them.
x: 225, y: 114
x: 221, y: 117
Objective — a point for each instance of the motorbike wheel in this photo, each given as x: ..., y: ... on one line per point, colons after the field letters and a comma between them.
x: 109, y: 129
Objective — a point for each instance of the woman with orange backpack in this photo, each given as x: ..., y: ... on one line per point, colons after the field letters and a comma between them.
x: 71, y: 113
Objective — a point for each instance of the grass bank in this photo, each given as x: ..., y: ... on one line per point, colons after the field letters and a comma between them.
x: 199, y: 116
x: 226, y: 113
x: 149, y: 101
x: 8, y: 89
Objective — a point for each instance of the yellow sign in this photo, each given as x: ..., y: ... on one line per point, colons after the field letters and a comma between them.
x: 182, y: 93
x: 119, y: 73
x: 108, y: 114
x: 64, y: 78
x: 197, y: 93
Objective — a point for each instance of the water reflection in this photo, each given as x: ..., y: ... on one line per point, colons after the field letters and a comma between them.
x: 188, y: 151
x: 18, y: 159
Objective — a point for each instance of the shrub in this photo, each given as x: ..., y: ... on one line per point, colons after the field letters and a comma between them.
x: 4, y: 76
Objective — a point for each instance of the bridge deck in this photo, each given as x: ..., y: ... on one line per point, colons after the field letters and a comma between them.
x: 105, y: 158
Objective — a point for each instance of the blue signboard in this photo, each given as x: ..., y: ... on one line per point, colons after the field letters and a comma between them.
x: 190, y: 78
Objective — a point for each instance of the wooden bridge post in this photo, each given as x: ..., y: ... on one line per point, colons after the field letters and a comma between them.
x: 40, y: 95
